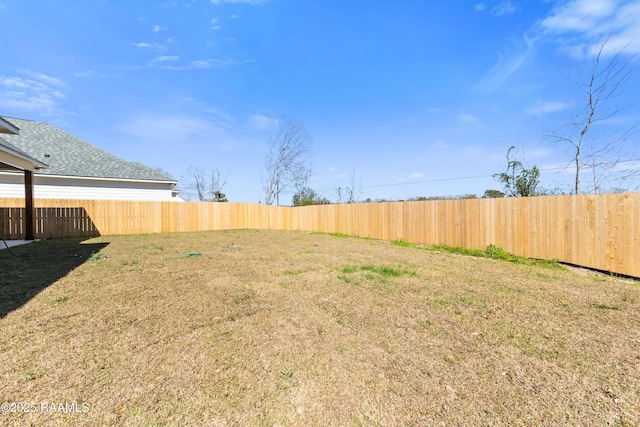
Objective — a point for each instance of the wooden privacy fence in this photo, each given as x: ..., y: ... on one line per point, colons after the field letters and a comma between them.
x: 62, y: 218
x: 595, y: 231
x: 50, y: 222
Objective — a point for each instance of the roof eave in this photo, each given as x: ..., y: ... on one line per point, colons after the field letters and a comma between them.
x: 112, y: 179
x: 19, y: 161
x: 6, y: 127
x: 14, y: 158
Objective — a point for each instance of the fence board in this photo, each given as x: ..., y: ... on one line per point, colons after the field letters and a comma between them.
x: 599, y: 231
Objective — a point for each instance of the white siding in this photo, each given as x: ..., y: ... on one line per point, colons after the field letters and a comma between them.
x: 11, y: 185
x: 54, y: 187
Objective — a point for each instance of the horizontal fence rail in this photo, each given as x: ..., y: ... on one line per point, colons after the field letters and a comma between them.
x: 595, y: 231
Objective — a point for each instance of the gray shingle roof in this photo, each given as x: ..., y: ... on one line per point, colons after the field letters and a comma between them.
x: 6, y: 144
x: 10, y: 148
x: 71, y: 156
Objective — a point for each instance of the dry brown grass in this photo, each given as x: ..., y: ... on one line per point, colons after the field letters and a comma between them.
x: 285, y: 328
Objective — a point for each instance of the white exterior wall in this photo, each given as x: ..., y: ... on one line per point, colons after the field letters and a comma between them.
x: 56, y: 187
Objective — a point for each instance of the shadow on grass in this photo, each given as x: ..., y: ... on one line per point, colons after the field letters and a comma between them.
x: 28, y: 269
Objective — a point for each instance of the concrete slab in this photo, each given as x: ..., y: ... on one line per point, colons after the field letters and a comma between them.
x: 12, y: 243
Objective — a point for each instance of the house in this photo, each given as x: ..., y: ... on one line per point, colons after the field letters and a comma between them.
x: 66, y: 167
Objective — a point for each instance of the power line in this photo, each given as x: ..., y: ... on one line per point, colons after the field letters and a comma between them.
x: 395, y: 184
x: 425, y: 182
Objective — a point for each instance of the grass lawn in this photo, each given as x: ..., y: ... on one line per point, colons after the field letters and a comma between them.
x: 288, y: 328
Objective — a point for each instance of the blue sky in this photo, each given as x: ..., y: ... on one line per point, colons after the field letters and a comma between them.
x: 413, y: 98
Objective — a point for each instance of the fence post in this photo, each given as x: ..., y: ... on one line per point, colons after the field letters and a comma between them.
x: 29, y: 217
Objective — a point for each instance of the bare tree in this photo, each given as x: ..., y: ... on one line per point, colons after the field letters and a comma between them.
x: 351, y: 192
x: 604, y: 157
x: 286, y: 163
x: 206, y: 186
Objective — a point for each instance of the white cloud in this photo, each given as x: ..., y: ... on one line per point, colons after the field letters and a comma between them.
x: 90, y: 73
x: 140, y: 44
x: 222, y: 118
x: 535, y: 153
x: 261, y: 122
x: 26, y: 102
x: 158, y: 28
x: 193, y: 132
x: 145, y: 45
x: 215, y: 25
x: 168, y: 127
x: 579, y: 15
x: 588, y: 19
x: 628, y: 37
x: 630, y: 165
x: 164, y: 58
x: 202, y: 64
x: 27, y: 84
x: 37, y: 92
x: 441, y: 145
x: 17, y: 82
x: 190, y: 66
x: 468, y: 118
x: 507, y: 65
x: 504, y: 8
x: 45, y: 78
x: 176, y: 3
x: 413, y: 175
x: 546, y: 107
